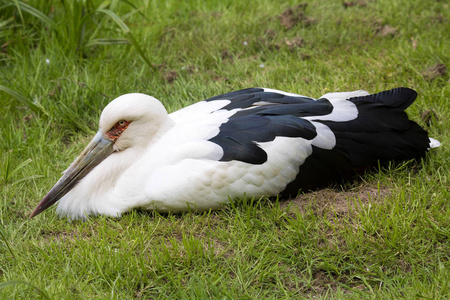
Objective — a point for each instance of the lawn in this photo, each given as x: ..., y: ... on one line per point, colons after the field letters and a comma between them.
x: 385, y: 235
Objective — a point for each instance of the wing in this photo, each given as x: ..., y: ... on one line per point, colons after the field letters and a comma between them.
x: 334, y: 134
x: 258, y: 116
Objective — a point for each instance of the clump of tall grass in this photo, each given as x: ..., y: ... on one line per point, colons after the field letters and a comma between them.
x: 75, y: 30
x: 78, y: 26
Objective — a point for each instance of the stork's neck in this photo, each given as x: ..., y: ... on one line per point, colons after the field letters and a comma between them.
x: 95, y: 193
x: 119, y: 162
x: 161, y: 130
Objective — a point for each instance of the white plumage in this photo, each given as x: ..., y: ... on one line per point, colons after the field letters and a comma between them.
x: 242, y: 143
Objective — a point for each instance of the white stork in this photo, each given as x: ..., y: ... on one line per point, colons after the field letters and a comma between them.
x: 254, y: 142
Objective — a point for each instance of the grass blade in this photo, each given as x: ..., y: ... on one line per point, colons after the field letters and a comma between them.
x: 97, y: 42
x: 127, y: 32
x: 35, y: 106
x: 17, y: 282
x: 33, y: 12
x: 14, y: 94
x: 115, y: 18
x: 3, y: 236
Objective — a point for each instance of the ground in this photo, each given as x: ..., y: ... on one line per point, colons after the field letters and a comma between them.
x: 383, y: 235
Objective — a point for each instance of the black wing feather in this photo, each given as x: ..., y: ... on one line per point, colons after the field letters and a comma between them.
x: 279, y: 116
x: 235, y: 94
x: 248, y: 97
x: 382, y: 131
x: 400, y: 98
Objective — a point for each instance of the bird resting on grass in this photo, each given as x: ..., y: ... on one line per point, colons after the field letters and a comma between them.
x: 254, y: 142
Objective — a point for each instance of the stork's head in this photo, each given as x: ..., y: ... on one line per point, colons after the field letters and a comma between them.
x: 131, y: 120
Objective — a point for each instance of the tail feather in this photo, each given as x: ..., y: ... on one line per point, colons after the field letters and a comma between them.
x: 434, y: 143
x: 366, y: 149
x: 400, y: 98
x: 381, y: 132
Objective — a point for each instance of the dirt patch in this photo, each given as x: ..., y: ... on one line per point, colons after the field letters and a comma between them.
x: 414, y: 43
x: 170, y: 76
x: 166, y: 73
x: 63, y: 236
x: 291, y: 44
x: 439, y: 18
x: 295, y: 15
x: 190, y: 69
x: 428, y: 116
x: 271, y: 34
x: 435, y: 71
x: 385, y: 30
x: 340, y: 202
x: 296, y: 42
x: 218, y: 77
x: 220, y: 248
x: 27, y: 118
x: 226, y: 55
x: 322, y: 283
x: 359, y: 3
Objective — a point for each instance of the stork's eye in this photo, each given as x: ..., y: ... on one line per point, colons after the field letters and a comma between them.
x: 117, y: 129
x: 120, y: 124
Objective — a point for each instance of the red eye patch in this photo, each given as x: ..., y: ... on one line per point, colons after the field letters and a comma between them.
x: 117, y: 129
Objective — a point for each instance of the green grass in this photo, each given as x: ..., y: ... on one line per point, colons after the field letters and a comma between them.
x: 61, y: 62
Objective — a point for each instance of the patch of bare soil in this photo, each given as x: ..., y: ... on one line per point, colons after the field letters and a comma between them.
x: 226, y: 55
x: 414, y: 43
x: 435, y: 71
x: 190, y: 69
x: 293, y: 43
x: 439, y: 18
x: 359, y: 3
x: 340, y: 202
x: 322, y: 283
x: 218, y: 77
x: 63, y: 236
x: 295, y: 15
x: 167, y: 74
x: 170, y: 76
x: 428, y: 116
x: 385, y: 30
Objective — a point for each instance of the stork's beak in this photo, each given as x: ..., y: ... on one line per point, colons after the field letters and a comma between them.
x: 95, y: 152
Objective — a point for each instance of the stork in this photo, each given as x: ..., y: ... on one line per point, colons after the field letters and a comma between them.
x: 254, y: 142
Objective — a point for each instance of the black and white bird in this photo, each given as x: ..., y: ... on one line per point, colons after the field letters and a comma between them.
x: 254, y: 142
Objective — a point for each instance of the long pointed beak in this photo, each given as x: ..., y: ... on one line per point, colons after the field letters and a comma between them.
x: 95, y: 152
